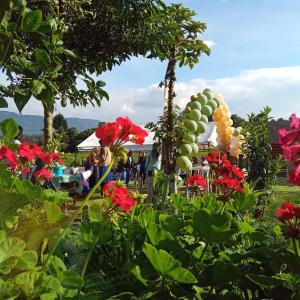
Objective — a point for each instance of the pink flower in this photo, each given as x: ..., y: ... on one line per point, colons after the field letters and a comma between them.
x: 295, y: 122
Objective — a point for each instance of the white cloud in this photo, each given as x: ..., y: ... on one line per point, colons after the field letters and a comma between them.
x: 210, y: 44
x: 248, y: 92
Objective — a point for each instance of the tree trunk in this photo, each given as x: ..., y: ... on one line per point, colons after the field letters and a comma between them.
x: 169, y: 95
x: 48, y: 126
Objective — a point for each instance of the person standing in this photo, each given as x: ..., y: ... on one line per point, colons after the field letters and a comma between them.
x: 153, y: 163
x: 127, y: 168
x: 104, y: 162
x: 142, y: 167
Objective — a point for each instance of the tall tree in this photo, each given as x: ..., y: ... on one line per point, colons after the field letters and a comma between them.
x: 47, y: 46
x: 187, y: 51
x: 60, y: 124
x: 33, y: 55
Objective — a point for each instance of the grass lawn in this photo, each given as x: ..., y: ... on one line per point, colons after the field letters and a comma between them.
x: 283, y: 191
x: 287, y: 192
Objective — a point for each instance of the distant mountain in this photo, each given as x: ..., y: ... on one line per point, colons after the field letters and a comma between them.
x: 33, y: 124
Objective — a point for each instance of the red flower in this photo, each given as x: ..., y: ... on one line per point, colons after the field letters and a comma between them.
x: 289, y: 215
x: 228, y: 185
x: 197, y: 180
x: 56, y: 157
x: 287, y: 211
x: 25, y: 151
x: 43, y: 174
x: 9, y: 155
x: 46, y: 157
x: 108, y: 133
x: 25, y: 171
x: 120, y: 132
x: 119, y: 196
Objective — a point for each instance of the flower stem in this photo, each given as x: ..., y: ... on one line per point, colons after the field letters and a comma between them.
x: 296, y: 252
x: 78, y: 211
x: 85, y: 264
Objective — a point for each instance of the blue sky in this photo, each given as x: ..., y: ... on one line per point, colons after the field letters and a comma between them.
x: 255, y: 61
x: 248, y: 34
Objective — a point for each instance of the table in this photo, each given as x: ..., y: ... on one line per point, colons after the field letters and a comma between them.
x: 68, y: 182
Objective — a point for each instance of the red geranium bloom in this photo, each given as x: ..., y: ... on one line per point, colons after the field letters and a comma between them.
x: 25, y: 151
x: 119, y: 196
x: 197, y: 180
x: 286, y: 211
x: 108, y: 133
x: 9, y: 155
x: 120, y: 132
x: 46, y: 157
x: 43, y: 174
x: 56, y: 157
x: 36, y: 149
x: 25, y: 171
x: 289, y: 214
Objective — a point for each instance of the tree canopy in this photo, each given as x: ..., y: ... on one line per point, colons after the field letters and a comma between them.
x: 47, y: 47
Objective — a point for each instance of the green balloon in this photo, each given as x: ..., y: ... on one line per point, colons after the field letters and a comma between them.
x: 189, y: 138
x: 208, y: 93
x: 186, y: 149
x: 202, y: 99
x: 195, y: 149
x: 213, y: 104
x: 206, y: 110
x: 183, y: 163
x: 195, y: 115
x: 201, y: 127
x: 217, y: 101
x: 190, y: 125
x: 196, y: 105
x: 189, y: 104
x: 204, y: 119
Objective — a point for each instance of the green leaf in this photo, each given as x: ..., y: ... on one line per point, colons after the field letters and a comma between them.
x: 53, y: 212
x: 245, y: 228
x: 157, y: 234
x: 49, y: 296
x: 136, y: 271
x: 3, y: 103
x: 42, y: 58
x: 28, y: 260
x: 219, y: 273
x: 21, y: 100
x: 263, y: 281
x: 212, y: 227
x: 167, y: 266
x: 37, y: 87
x: 10, y: 202
x: 26, y: 282
x: 10, y: 247
x: 95, y: 212
x: 32, y: 21
x: 68, y: 52
x: 9, y: 128
x: 28, y: 189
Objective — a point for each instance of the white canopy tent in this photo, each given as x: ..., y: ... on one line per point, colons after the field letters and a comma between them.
x: 92, y: 141
x: 209, y: 137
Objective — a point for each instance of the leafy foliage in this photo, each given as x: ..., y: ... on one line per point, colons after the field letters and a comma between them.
x: 257, y: 150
